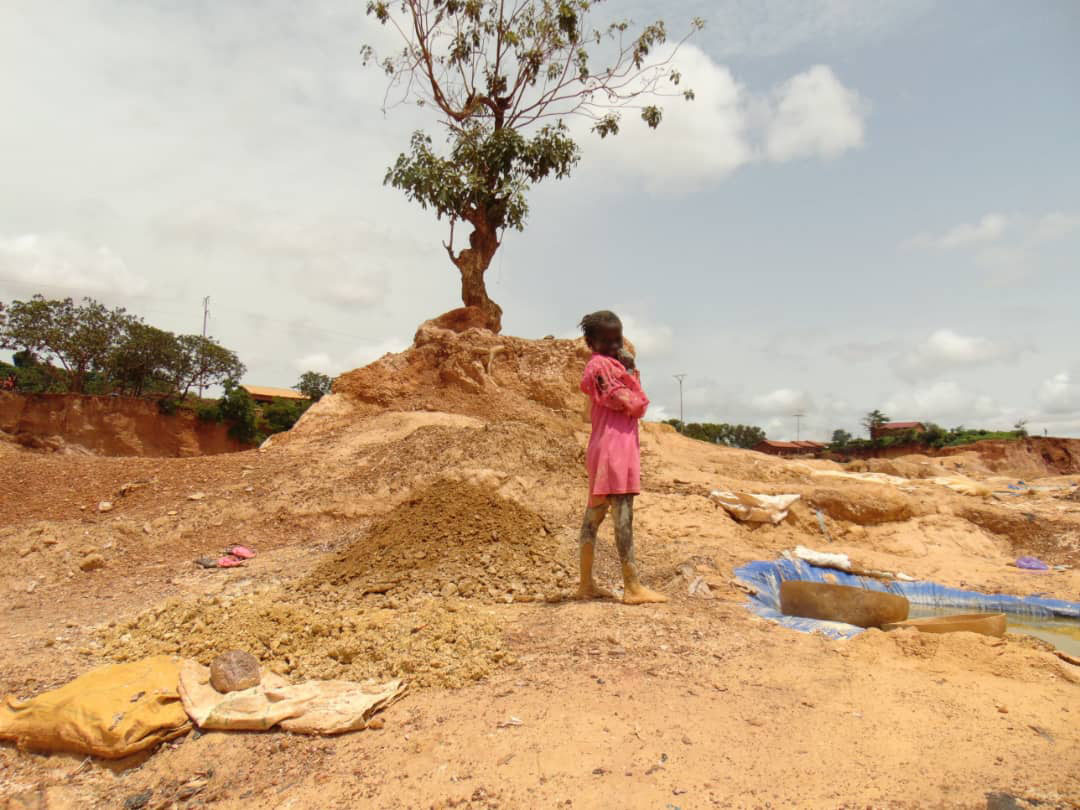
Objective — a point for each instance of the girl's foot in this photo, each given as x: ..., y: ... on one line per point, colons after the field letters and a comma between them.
x: 640, y: 595
x: 591, y: 590
x: 634, y: 593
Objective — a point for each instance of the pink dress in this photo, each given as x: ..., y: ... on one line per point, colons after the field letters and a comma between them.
x: 618, y: 402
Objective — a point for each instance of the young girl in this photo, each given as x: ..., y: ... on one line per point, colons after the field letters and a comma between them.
x: 617, y: 402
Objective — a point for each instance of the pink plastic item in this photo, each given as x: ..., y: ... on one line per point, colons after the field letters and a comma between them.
x: 243, y: 552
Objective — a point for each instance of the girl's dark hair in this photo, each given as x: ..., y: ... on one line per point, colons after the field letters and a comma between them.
x: 592, y: 323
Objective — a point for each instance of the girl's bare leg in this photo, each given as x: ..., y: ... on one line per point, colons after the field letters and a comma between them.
x: 594, y: 516
x: 634, y: 593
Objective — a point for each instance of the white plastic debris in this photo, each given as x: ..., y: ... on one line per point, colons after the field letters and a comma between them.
x: 754, y: 508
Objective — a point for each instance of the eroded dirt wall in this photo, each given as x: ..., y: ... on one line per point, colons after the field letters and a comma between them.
x: 109, y: 426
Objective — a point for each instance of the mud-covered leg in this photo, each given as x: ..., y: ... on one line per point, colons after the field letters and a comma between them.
x: 588, y: 589
x: 634, y: 592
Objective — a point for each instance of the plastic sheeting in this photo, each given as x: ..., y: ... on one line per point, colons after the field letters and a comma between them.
x: 764, y: 579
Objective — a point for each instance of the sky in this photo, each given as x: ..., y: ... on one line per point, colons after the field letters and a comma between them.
x: 869, y: 204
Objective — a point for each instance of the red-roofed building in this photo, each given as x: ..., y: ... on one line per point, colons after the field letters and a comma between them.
x: 892, y: 428
x: 777, y: 448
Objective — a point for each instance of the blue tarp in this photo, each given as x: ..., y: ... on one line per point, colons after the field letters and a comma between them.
x: 765, y: 578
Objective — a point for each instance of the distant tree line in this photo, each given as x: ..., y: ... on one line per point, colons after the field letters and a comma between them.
x: 60, y: 346
x: 745, y: 436
x: 933, y: 435
x: 86, y: 348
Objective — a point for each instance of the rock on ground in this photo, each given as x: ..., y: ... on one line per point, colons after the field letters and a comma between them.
x: 234, y: 670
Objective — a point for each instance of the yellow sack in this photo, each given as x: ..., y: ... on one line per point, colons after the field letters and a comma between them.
x: 110, y: 712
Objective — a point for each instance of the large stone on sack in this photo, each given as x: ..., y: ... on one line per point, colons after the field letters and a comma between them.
x: 841, y: 603
x: 233, y: 671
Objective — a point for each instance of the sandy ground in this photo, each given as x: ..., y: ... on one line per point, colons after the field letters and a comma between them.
x: 692, y: 704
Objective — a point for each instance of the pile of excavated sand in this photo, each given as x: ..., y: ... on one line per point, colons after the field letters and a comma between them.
x: 428, y: 643
x: 452, y: 538
x: 405, y: 600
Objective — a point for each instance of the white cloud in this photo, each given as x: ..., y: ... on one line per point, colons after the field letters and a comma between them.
x: 320, y: 361
x: 943, y: 401
x: 768, y: 27
x: 333, y: 260
x: 1011, y: 249
x: 988, y: 229
x: 649, y: 339
x: 358, y: 357
x: 658, y: 413
x: 946, y: 350
x: 814, y: 116
x: 1060, y: 394
x: 697, y: 142
x: 726, y: 127
x: 369, y: 352
x: 863, y: 351
x: 58, y: 264
x: 342, y: 286
x: 1056, y: 225
x: 782, y: 401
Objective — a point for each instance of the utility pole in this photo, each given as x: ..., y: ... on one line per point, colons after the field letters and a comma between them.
x: 205, y: 320
x: 680, y: 378
x: 798, y: 419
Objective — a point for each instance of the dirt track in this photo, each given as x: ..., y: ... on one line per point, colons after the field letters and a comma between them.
x: 691, y: 704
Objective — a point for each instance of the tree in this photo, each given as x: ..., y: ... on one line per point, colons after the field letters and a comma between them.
x: 81, y: 337
x: 238, y: 408
x: 140, y: 360
x: 873, y: 420
x: 745, y: 436
x: 841, y: 438
x: 934, y: 435
x: 502, y: 77
x: 1020, y: 427
x: 197, y: 360
x: 24, y: 325
x: 314, y: 385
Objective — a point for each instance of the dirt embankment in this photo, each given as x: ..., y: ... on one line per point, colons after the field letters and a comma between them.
x: 108, y: 426
x: 1033, y: 457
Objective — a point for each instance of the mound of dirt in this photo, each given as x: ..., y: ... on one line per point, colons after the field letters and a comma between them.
x: 452, y: 538
x: 430, y: 643
x: 387, y: 606
x: 475, y: 372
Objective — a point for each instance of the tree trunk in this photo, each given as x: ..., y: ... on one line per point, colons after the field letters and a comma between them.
x: 472, y: 262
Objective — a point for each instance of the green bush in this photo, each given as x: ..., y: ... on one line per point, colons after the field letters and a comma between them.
x: 282, y: 414
x: 32, y: 377
x: 960, y: 435
x: 238, y: 408
x: 209, y: 411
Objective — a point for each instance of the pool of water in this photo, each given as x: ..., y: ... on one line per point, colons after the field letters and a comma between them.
x: 1061, y: 632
